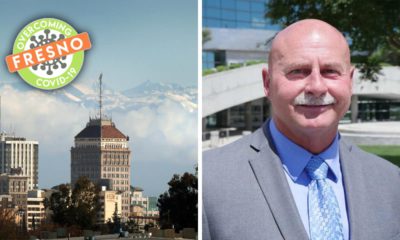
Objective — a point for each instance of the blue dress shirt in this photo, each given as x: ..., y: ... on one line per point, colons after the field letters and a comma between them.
x: 294, y: 160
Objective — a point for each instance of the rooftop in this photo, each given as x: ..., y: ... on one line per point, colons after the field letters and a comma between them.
x: 97, y: 127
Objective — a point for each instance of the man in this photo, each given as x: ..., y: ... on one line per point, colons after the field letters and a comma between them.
x: 296, y: 178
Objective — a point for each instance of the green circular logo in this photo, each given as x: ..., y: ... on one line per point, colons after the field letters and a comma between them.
x: 54, y: 73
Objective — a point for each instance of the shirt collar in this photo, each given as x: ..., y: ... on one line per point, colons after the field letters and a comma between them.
x: 295, y: 158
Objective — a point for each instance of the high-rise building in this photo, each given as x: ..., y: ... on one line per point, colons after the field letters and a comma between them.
x: 101, y: 153
x: 17, y: 153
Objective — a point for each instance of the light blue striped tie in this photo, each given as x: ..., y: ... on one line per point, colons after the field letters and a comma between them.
x: 323, y: 209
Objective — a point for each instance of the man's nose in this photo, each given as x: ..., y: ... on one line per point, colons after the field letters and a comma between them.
x: 316, y: 84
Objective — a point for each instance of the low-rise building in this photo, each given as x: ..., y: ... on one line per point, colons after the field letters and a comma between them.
x: 35, y: 210
x: 15, y: 184
x: 110, y: 201
x: 6, y: 201
x: 143, y: 209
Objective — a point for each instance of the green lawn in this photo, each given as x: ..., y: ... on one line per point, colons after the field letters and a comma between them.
x: 391, y: 153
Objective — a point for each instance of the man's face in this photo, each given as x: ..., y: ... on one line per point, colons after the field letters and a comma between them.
x: 309, y: 82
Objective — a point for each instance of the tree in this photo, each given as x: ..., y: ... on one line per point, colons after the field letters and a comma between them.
x: 85, y: 203
x: 373, y: 26
x: 59, y: 203
x: 116, y: 220
x: 8, y: 227
x: 178, y: 206
x: 206, y: 35
x: 78, y: 207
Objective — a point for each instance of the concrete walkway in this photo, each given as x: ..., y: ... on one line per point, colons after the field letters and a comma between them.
x: 372, y: 133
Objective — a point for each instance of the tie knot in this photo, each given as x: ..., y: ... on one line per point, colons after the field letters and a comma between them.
x: 317, y: 169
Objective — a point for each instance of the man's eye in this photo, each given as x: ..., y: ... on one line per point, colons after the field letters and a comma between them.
x: 297, y: 73
x: 330, y: 72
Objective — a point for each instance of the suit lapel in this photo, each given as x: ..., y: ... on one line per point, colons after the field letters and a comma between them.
x: 353, y: 183
x: 267, y: 168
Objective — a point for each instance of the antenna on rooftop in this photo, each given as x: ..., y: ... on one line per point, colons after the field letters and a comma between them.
x: 0, y: 116
x: 100, y: 94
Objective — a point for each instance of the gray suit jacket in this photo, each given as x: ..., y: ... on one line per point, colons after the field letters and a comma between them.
x: 246, y: 194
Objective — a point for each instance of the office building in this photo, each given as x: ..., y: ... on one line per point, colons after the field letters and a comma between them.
x: 238, y: 34
x: 101, y: 153
x: 22, y: 155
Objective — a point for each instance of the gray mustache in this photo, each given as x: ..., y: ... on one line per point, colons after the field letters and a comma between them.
x: 309, y: 99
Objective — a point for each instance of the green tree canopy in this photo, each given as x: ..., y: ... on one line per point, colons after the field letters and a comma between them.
x: 206, y: 35
x: 372, y: 26
x: 178, y: 206
x: 59, y: 203
x: 77, y: 207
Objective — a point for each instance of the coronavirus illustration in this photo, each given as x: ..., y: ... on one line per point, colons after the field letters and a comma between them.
x: 43, y: 39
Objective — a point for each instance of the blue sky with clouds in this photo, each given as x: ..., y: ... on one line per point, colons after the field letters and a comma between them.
x: 132, y: 41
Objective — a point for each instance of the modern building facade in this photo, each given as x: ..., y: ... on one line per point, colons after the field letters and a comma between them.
x: 152, y: 209
x: 238, y: 31
x: 238, y: 34
x: 101, y: 153
x: 22, y: 154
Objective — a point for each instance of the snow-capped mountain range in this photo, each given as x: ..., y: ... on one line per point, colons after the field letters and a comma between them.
x: 147, y: 94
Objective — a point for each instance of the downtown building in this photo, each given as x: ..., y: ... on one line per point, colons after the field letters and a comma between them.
x: 144, y: 209
x: 19, y: 156
x: 35, y: 209
x: 239, y: 35
x: 110, y: 203
x: 101, y: 153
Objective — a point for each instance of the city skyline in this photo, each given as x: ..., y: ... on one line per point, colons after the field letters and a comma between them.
x: 133, y: 41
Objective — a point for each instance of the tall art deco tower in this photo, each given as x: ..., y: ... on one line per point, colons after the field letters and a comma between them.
x: 101, y: 153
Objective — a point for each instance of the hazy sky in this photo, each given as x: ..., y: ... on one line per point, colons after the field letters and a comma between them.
x: 132, y: 41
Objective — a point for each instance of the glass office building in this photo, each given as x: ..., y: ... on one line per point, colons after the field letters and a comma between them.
x: 237, y: 30
x: 232, y: 14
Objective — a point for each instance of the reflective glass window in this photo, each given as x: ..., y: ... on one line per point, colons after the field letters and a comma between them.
x: 230, y: 4
x: 243, y: 16
x: 243, y: 5
x: 228, y: 15
x: 212, y: 13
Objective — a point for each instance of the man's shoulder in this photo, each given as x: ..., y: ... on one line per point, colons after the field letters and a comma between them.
x: 236, y: 150
x: 372, y: 162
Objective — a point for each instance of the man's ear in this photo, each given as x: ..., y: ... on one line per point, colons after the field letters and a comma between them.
x: 351, y: 76
x: 266, y: 81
